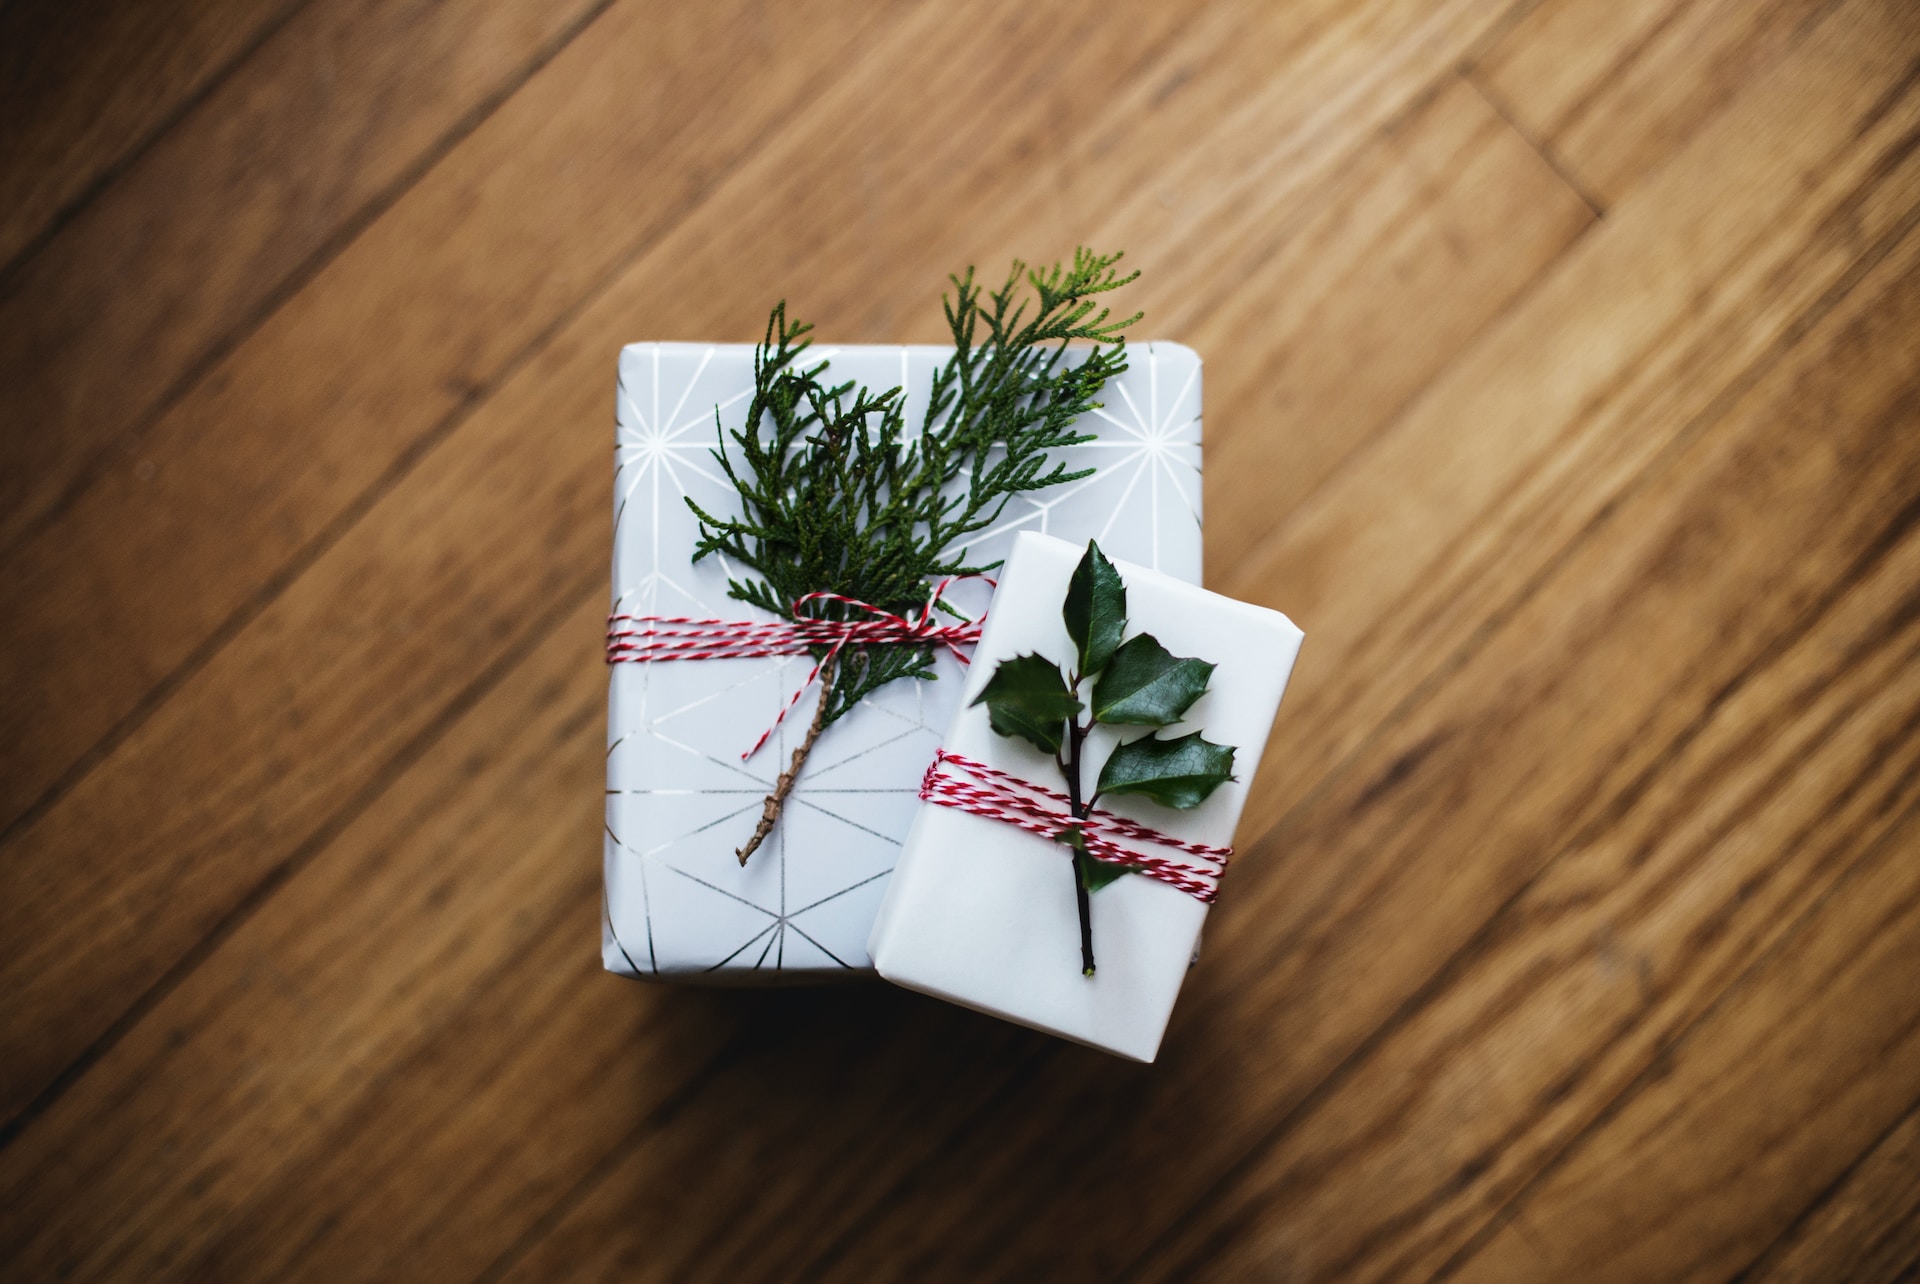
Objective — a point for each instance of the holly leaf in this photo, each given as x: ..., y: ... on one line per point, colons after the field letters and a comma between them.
x: 1146, y: 686
x: 1093, y: 874
x: 1095, y: 610
x: 1177, y: 773
x: 1099, y: 873
x: 1028, y: 697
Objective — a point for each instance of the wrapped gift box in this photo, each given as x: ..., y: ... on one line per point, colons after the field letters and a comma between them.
x: 679, y: 798
x: 983, y: 913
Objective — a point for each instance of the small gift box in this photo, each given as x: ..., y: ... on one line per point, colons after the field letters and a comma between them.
x: 1008, y: 896
x: 680, y: 799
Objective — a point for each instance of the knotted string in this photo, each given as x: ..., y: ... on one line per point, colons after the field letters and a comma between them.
x: 998, y: 795
x: 676, y: 637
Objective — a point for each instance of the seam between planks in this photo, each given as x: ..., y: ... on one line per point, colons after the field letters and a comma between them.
x: 111, y: 172
x: 1549, y: 154
x: 1497, y: 32
x: 1391, y: 420
x: 1429, y: 990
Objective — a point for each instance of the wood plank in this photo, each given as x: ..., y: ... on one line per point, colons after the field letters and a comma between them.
x: 226, y: 495
x: 336, y: 1216
x: 1806, y: 750
x: 200, y: 236
x: 84, y: 87
x: 1744, y: 1122
x: 1355, y: 310
x: 462, y: 899
x: 269, y: 746
x: 1864, y: 1228
x: 1434, y: 527
x: 1613, y: 90
x: 1247, y: 1047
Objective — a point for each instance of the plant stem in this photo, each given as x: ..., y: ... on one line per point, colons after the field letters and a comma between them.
x: 770, y: 809
x: 1077, y: 738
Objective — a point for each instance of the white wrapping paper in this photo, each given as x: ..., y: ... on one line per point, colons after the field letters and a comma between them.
x: 680, y: 800
x: 984, y: 914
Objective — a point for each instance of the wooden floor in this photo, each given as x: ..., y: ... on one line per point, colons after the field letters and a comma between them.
x: 1563, y: 382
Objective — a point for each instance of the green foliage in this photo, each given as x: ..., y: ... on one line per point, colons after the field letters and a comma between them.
x: 1028, y: 697
x: 837, y: 495
x: 1176, y: 773
x: 1146, y: 686
x: 1096, y: 874
x: 1137, y: 682
x: 1095, y: 609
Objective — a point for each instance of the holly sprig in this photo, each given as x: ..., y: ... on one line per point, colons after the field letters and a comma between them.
x: 1136, y: 682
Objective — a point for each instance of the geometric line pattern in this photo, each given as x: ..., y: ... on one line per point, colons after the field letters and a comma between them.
x: 679, y: 800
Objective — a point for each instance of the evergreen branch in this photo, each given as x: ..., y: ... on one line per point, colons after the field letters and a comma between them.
x: 836, y: 496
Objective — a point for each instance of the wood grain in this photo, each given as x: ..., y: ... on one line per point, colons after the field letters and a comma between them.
x: 1865, y: 1226
x: 1612, y: 91
x: 357, y: 95
x: 208, y: 226
x: 1561, y: 373
x: 1793, y: 1075
x: 161, y: 537
x: 1678, y: 300
x: 1803, y: 747
x: 83, y: 87
x: 1434, y: 231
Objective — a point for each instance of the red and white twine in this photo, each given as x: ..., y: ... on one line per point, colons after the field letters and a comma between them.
x: 655, y: 638
x: 1001, y: 796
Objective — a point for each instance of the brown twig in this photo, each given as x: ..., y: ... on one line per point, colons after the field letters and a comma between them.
x: 770, y: 809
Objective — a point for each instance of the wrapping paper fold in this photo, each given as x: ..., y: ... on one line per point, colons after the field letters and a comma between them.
x: 983, y: 914
x: 679, y: 798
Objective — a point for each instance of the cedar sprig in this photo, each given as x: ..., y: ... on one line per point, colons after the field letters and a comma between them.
x: 837, y: 496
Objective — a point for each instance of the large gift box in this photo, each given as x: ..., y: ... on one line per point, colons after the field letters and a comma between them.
x: 680, y: 798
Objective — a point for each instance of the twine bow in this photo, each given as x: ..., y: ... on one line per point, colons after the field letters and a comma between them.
x: 673, y: 637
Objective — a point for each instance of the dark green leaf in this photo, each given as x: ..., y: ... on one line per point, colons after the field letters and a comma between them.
x: 1174, y: 773
x: 1096, y: 874
x: 1095, y: 610
x: 1093, y: 874
x: 1028, y: 697
x: 1145, y: 686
